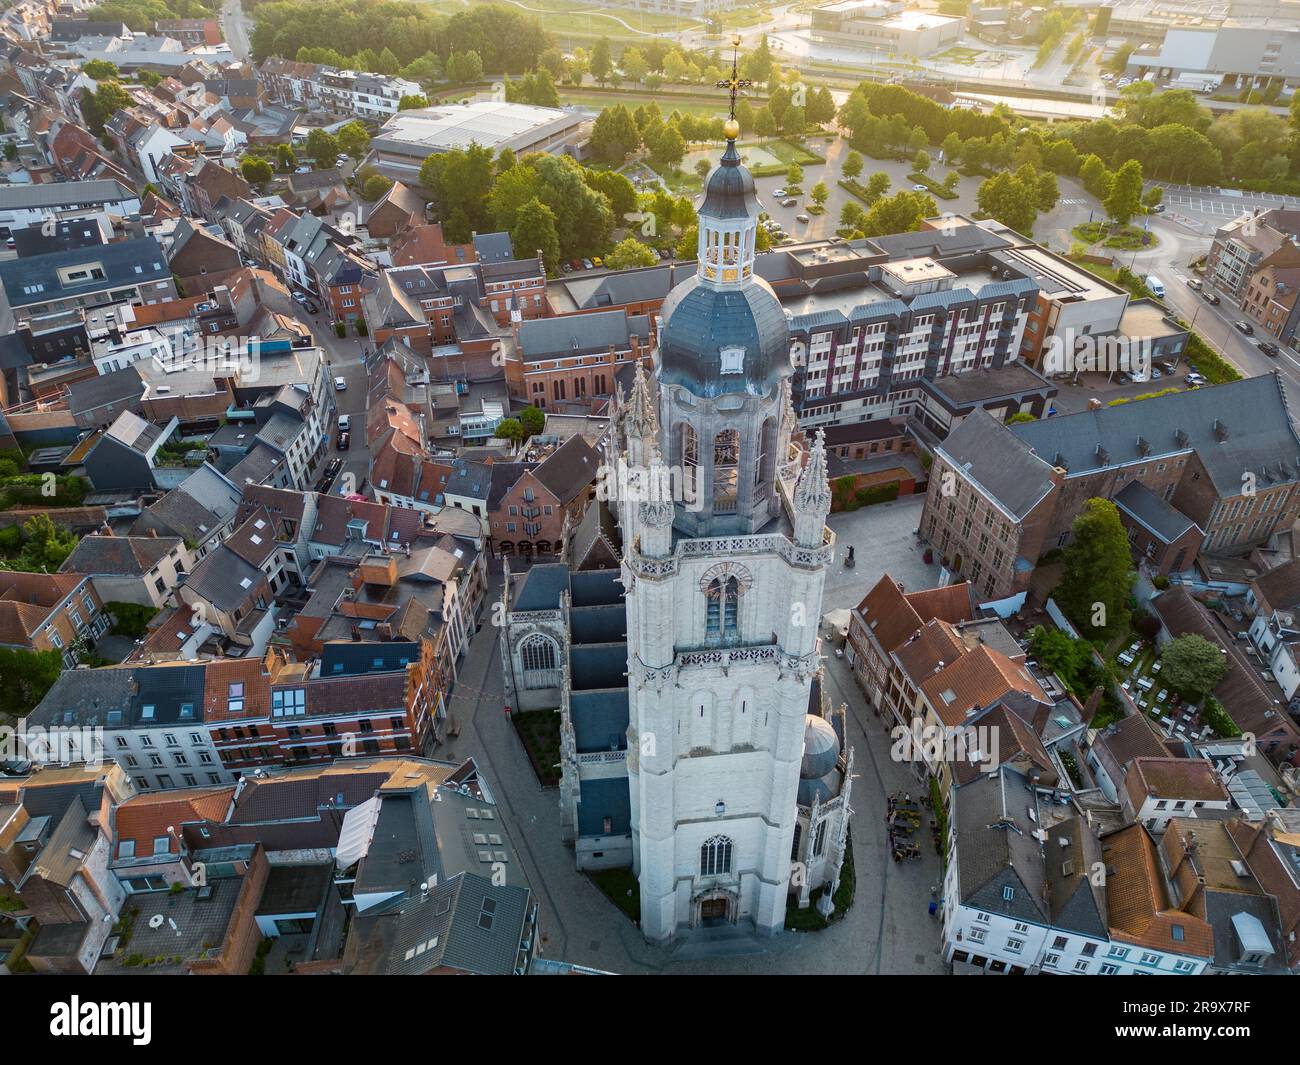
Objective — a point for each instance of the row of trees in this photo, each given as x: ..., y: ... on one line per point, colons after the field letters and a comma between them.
x: 505, y: 39
x: 1170, y: 133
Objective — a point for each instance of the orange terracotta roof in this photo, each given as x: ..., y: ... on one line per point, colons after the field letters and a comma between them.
x: 1139, y: 911
x: 146, y: 818
x: 977, y: 679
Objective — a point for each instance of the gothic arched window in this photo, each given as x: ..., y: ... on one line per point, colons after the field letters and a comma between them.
x: 715, y: 856
x: 722, y: 610
x: 540, y: 659
x: 819, y: 842
x: 794, y: 847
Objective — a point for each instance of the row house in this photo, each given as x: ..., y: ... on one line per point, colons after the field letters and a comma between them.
x: 55, y: 853
x: 1021, y: 895
x: 1274, y: 600
x: 131, y: 569
x: 148, y: 719
x: 1159, y: 789
x: 1253, y: 241
x: 887, y: 618
x: 347, y: 92
x: 59, y: 612
x: 536, y: 507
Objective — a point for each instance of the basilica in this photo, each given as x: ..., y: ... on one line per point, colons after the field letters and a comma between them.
x: 679, y: 639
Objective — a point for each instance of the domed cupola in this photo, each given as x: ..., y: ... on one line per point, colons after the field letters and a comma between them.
x: 819, y: 775
x: 724, y: 331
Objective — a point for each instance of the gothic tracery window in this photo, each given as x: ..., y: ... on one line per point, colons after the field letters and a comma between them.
x: 540, y: 661
x: 726, y: 466
x: 715, y: 856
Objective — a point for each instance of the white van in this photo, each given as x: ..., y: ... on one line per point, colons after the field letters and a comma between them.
x: 1156, y: 286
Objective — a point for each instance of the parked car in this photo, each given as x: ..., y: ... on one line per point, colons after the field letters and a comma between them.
x: 575, y: 264
x: 1156, y: 374
x: 789, y: 201
x: 345, y: 421
x: 597, y: 261
x: 340, y: 384
x: 778, y: 193
x: 344, y: 440
x: 1244, y: 326
x: 920, y: 188
x: 302, y: 169
x: 1210, y: 298
x: 665, y: 254
x: 1158, y: 208
x: 1269, y: 349
x: 801, y: 218
x: 299, y: 295
x: 587, y: 264
x: 310, y: 307
x: 1194, y: 284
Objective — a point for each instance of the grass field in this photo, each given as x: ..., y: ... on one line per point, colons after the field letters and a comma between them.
x: 668, y: 103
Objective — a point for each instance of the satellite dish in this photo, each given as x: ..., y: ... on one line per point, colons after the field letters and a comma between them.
x: 156, y: 920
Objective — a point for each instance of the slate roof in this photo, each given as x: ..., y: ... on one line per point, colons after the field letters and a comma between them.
x: 600, y: 720
x: 600, y: 798
x: 93, y: 698
x: 570, y: 469
x: 540, y: 587
x: 569, y: 335
x: 987, y: 452
x: 996, y: 850
x: 1233, y: 428
x: 118, y: 556
x: 36, y: 279
x: 1152, y: 513
x: 62, y: 194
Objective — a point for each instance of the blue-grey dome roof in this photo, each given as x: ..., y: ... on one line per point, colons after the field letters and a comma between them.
x: 729, y: 189
x: 820, y: 788
x: 821, y: 748
x: 699, y: 320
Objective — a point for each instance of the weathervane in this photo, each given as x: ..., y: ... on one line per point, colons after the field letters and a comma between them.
x: 734, y: 83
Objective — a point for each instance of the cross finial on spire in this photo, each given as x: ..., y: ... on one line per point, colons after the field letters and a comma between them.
x: 734, y: 83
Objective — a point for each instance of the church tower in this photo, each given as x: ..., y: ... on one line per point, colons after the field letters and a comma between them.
x: 724, y: 563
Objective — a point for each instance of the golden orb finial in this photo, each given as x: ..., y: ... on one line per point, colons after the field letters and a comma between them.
x: 731, y: 129
x: 735, y: 40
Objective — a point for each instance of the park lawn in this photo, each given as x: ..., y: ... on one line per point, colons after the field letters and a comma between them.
x: 1125, y: 238
x: 621, y: 888
x: 539, y: 730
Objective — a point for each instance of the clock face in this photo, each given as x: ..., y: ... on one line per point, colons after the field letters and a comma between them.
x: 733, y: 360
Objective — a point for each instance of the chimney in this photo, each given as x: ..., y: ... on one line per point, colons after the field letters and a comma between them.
x: 151, y: 533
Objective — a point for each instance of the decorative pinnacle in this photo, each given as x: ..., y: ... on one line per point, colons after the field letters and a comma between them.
x: 733, y: 85
x: 813, y: 492
x: 641, y: 410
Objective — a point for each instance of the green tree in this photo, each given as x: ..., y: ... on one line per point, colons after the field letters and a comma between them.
x: 412, y: 103
x: 794, y: 175
x: 463, y: 68
x: 1125, y: 197
x: 899, y: 213
x: 629, y: 253
x: 1193, y: 666
x: 29, y: 675
x: 634, y: 64
x: 820, y: 194
x: 1010, y: 200
x: 764, y: 123
x: 354, y: 139
x: 852, y: 165
x: 323, y: 147
x: 688, y: 243
x: 533, y: 420
x: 374, y: 187
x: 921, y: 161
x: 1097, y: 581
x: 256, y: 171
x: 614, y: 135
x: 877, y: 185
x: 285, y: 158
x: 534, y: 228
x: 100, y: 70
x: 509, y: 429
x: 1094, y: 175
x: 601, y: 63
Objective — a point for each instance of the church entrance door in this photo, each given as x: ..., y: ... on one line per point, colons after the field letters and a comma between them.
x: 713, y: 912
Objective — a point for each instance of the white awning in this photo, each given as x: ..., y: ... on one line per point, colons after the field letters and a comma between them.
x: 358, y: 829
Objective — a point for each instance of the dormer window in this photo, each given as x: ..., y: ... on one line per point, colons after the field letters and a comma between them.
x: 733, y: 360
